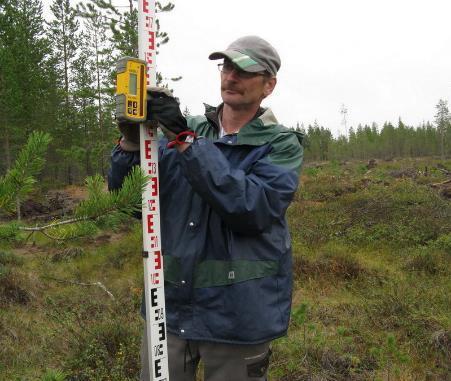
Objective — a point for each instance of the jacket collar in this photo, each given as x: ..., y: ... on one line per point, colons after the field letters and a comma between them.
x: 260, y: 130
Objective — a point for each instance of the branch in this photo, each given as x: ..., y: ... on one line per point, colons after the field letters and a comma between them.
x: 54, y: 224
x: 436, y: 185
x: 98, y: 284
x: 125, y: 201
x: 42, y: 229
x: 445, y: 171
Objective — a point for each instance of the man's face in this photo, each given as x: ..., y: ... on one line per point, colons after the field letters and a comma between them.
x: 241, y: 89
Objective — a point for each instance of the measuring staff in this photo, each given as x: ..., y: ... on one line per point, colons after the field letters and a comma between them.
x: 131, y: 108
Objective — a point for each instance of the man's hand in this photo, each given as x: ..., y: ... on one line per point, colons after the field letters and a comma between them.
x: 164, y: 108
x: 130, y: 136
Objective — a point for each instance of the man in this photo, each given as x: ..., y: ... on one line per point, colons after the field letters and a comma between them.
x: 226, y: 181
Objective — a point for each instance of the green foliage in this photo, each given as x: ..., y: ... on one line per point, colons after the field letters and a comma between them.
x: 9, y: 258
x: 363, y: 209
x: 389, y: 354
x: 427, y: 259
x: 370, y: 260
x: 332, y: 261
x: 362, y: 310
x: 323, y: 186
x: 57, y: 75
x: 109, y: 352
x: 54, y: 375
x: 405, y: 214
x: 74, y: 230
x: 9, y: 232
x: 127, y: 200
x: 299, y: 314
x: 4, y: 271
x: 443, y: 243
x: 101, y: 209
x: 20, y: 179
x: 13, y: 287
x: 26, y: 89
x: 372, y: 142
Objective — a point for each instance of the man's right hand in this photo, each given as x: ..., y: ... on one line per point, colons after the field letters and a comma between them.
x: 162, y: 108
x: 130, y: 136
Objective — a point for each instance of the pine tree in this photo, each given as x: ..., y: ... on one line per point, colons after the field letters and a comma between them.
x: 101, y: 49
x: 84, y: 99
x: 20, y: 179
x: 26, y: 74
x: 186, y: 112
x: 63, y: 34
x: 442, y: 120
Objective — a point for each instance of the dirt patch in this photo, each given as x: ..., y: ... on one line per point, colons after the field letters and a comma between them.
x: 441, y: 340
x: 445, y: 192
x: 12, y: 290
x: 55, y: 203
x: 67, y: 254
x: 410, y: 173
x: 340, y: 266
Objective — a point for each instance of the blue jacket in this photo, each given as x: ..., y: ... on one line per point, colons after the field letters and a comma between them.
x: 225, y: 239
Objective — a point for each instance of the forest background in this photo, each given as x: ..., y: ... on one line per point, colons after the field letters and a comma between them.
x: 57, y: 76
x: 370, y: 224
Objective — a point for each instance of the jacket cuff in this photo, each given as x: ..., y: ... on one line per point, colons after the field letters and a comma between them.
x: 129, y: 146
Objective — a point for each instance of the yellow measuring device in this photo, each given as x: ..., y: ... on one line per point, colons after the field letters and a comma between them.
x: 131, y: 94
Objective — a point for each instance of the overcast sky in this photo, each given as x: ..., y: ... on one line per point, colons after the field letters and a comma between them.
x: 382, y: 59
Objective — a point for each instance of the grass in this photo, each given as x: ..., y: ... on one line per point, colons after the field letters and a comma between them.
x: 371, y: 300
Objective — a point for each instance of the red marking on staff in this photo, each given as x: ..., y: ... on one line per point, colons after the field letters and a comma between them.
x: 147, y: 149
x: 154, y: 186
x: 154, y: 278
x: 153, y: 242
x: 150, y: 224
x: 151, y: 40
x: 152, y: 205
x: 148, y: 57
x: 149, y: 22
x: 157, y: 260
x: 152, y: 170
x: 145, y: 6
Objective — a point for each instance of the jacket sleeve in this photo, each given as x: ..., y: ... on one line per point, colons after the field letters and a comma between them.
x: 249, y: 202
x: 121, y: 164
x: 123, y: 161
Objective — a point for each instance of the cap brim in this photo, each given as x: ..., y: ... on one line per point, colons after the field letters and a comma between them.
x: 243, y: 61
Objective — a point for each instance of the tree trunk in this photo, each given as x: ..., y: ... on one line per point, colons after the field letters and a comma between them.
x: 99, y: 96
x: 7, y: 148
x: 18, y: 208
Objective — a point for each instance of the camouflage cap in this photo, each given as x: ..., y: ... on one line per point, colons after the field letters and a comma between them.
x: 251, y: 54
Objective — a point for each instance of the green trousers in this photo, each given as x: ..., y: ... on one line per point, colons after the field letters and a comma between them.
x: 221, y: 362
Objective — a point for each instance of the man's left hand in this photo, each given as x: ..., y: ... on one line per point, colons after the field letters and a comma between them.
x: 164, y: 108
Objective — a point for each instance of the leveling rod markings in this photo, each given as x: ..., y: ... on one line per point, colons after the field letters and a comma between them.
x: 153, y: 260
